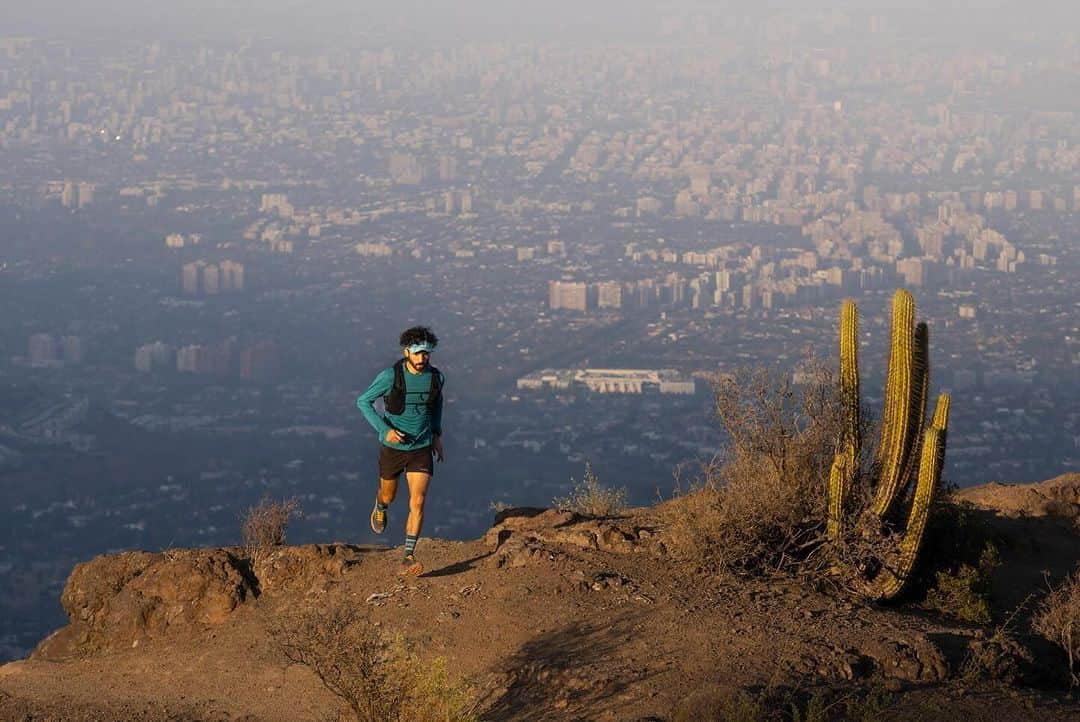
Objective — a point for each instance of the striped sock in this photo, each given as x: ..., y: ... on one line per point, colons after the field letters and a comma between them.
x: 410, y: 544
x: 380, y: 506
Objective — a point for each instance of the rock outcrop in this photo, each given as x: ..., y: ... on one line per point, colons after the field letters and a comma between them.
x: 116, y: 601
x: 559, y: 526
x: 1057, y: 497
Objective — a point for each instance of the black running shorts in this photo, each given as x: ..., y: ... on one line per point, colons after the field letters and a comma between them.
x: 394, y: 461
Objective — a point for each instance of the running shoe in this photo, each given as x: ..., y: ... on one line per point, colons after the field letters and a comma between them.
x: 411, y: 567
x: 378, y: 519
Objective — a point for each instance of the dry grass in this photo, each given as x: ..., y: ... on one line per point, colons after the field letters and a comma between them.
x: 264, y: 526
x: 376, y: 676
x: 760, y: 505
x: 1058, y: 619
x: 498, y: 506
x: 591, y: 498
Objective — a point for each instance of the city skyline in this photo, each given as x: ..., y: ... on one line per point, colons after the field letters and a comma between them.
x: 210, y: 239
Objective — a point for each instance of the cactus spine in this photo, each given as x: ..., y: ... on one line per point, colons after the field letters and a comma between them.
x: 906, y: 443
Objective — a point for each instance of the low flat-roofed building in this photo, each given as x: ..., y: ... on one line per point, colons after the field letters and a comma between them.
x: 611, y: 381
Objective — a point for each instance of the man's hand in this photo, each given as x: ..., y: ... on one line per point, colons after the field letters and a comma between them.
x: 436, y: 446
x: 393, y: 436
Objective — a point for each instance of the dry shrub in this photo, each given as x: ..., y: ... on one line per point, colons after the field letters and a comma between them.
x: 771, y: 704
x: 960, y: 553
x: 999, y: 657
x: 591, y: 498
x: 498, y: 506
x: 375, y: 675
x: 264, y: 526
x: 716, y: 706
x: 761, y: 504
x: 1058, y: 619
x: 965, y: 593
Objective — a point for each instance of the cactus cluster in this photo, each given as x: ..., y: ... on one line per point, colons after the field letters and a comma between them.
x: 908, y: 451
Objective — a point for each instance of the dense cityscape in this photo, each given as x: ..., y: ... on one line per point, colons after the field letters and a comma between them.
x: 210, y: 242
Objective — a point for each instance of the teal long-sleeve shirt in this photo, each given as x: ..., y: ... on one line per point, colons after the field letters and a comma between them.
x: 419, y: 424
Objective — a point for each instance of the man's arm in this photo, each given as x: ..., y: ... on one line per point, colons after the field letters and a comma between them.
x: 436, y: 413
x: 436, y: 421
x: 366, y: 401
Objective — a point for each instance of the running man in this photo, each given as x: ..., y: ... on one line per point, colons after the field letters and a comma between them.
x: 410, y: 433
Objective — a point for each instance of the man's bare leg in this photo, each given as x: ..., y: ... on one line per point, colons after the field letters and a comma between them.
x: 383, y: 498
x: 418, y: 485
x: 387, y: 491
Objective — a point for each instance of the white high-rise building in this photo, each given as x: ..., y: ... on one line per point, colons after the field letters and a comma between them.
x: 72, y: 348
x: 609, y: 294
x: 189, y: 277
x: 569, y: 295
x: 42, y: 349
x: 187, y: 359
x: 152, y: 356
x: 232, y: 276
x: 211, y: 280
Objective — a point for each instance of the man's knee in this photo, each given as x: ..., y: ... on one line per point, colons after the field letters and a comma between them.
x: 387, y: 489
x: 416, y: 501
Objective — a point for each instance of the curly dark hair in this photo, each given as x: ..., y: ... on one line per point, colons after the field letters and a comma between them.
x: 417, y: 334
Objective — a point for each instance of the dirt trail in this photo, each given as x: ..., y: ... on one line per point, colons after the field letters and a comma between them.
x: 548, y: 617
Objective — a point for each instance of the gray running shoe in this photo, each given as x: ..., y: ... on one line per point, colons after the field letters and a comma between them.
x: 378, y: 519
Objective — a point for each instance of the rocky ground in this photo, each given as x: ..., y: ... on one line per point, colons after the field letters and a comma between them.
x: 548, y: 617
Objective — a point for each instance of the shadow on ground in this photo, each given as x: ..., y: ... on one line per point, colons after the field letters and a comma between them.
x: 456, y: 568
x: 556, y: 675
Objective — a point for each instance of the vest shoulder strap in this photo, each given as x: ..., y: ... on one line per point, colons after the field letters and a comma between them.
x: 394, y: 399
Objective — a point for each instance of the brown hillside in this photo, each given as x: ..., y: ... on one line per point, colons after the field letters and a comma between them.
x: 1058, y: 497
x: 548, y: 617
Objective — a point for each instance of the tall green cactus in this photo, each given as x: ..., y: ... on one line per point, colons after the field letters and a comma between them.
x: 920, y: 389
x: 896, y: 437
x: 906, y: 443
x: 847, y: 458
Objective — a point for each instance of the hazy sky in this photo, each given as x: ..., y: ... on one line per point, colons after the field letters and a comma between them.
x: 597, y: 18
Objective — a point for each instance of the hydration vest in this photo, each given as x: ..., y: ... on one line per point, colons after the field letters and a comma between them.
x: 394, y: 401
